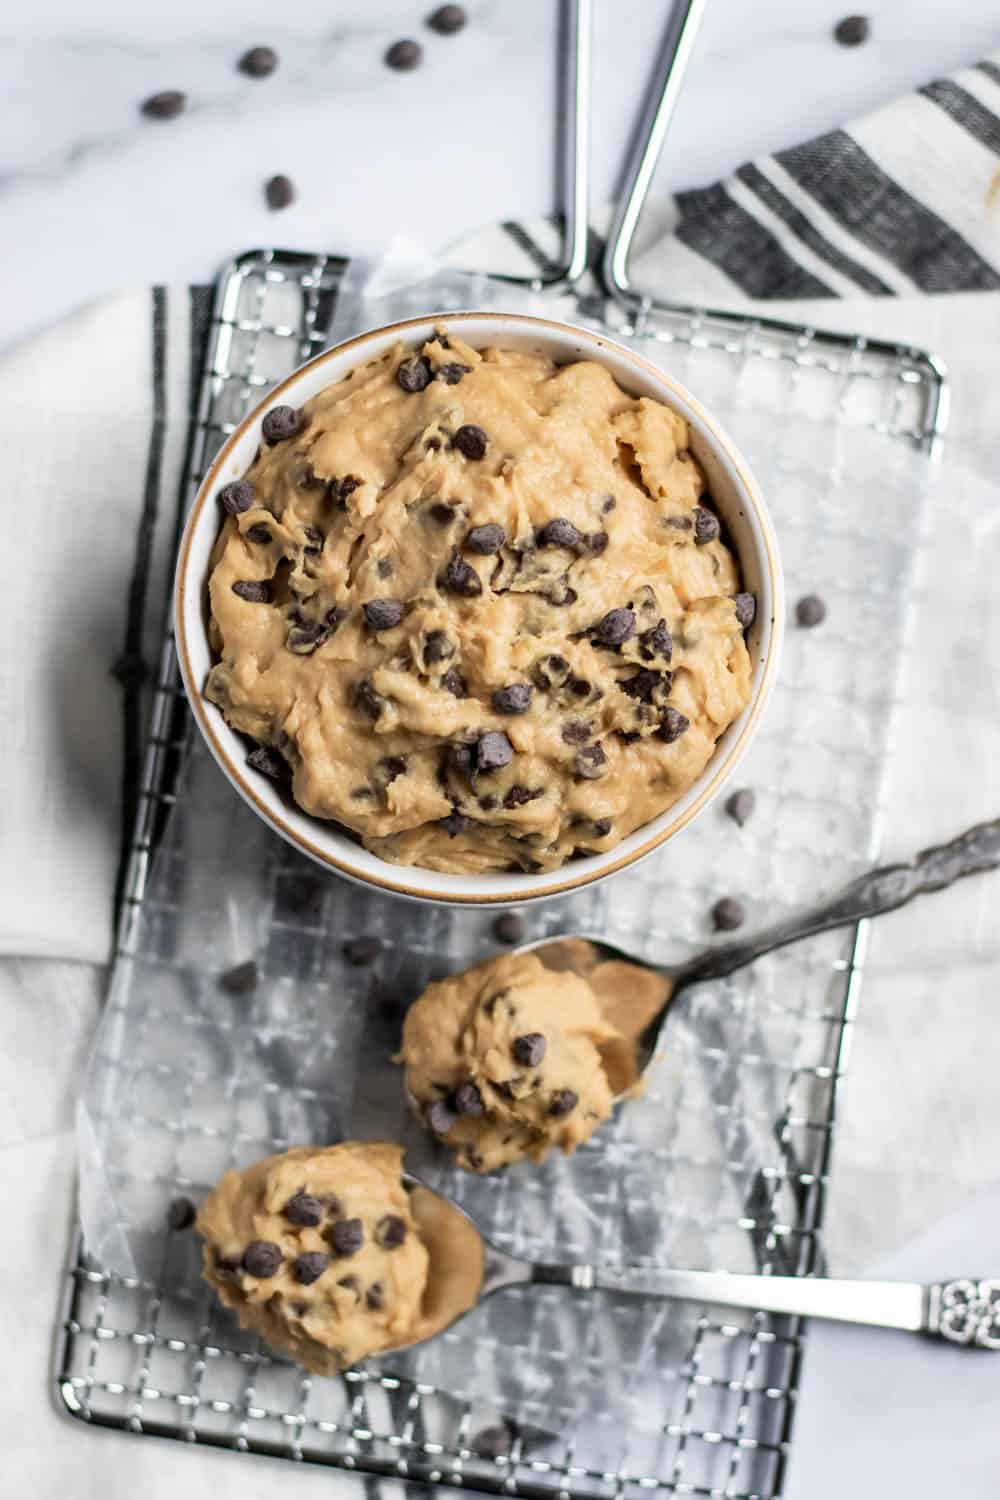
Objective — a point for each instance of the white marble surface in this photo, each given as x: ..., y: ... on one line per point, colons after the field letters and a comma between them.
x: 92, y: 196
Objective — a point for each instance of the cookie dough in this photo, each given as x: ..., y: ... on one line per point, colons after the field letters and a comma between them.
x: 512, y: 1058
x: 478, y: 608
x: 318, y: 1251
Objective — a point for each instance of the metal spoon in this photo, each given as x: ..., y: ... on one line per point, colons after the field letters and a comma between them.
x: 465, y: 1269
x: 880, y: 890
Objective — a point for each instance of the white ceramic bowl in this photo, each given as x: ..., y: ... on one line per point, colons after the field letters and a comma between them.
x: 736, y: 498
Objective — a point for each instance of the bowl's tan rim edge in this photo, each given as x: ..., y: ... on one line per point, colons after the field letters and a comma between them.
x: 400, y: 888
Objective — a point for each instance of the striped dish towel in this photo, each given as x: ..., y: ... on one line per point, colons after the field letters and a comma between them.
x: 901, y: 202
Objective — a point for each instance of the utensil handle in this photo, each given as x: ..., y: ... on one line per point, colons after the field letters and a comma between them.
x: 964, y: 1312
x: 869, y: 895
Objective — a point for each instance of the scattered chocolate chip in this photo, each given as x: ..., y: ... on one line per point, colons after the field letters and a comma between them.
x: 390, y: 767
x: 616, y: 627
x: 728, y: 914
x: 226, y: 1265
x: 810, y: 610
x: 852, y: 31
x: 470, y: 441
x: 280, y: 423
x: 437, y: 646
x: 580, y: 687
x: 508, y: 927
x: 302, y: 1208
x: 513, y: 699
x: 493, y: 1442
x: 517, y: 796
x: 447, y: 19
x: 341, y: 490
x: 258, y: 62
x: 390, y: 1231
x: 375, y: 1297
x: 646, y: 683
x: 467, y: 1100
x: 673, y: 725
x: 367, y: 699
x: 268, y: 762
x: 608, y: 504
x: 598, y: 541
x: 487, y: 539
x: 451, y: 374
x: 305, y: 639
x: 180, y: 1214
x: 442, y: 514
x: 165, y: 105
x: 559, y: 533
x: 741, y: 804
x: 563, y: 1102
x: 414, y: 374
x: 656, y: 642
x: 601, y: 828
x: 455, y: 823
x: 459, y: 578
x: 382, y: 614
x: 746, y: 609
x: 577, y: 731
x: 529, y: 1050
x: 706, y: 526
x: 550, y: 671
x: 253, y: 593
x: 240, y: 980
x: 489, y: 803
x: 260, y: 534
x: 237, y: 497
x: 439, y: 1117
x: 404, y: 56
x: 590, y: 762
x: 346, y: 1236
x: 262, y: 1258
x: 493, y: 751
x: 453, y: 682
x: 309, y: 1267
x: 279, y: 192
x: 361, y: 951
x: 384, y: 567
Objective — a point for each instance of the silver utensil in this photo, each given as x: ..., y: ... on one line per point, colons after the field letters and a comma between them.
x: 870, y: 895
x: 965, y: 1311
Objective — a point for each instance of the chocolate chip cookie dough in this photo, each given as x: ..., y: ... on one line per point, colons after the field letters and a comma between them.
x: 477, y: 607
x: 318, y: 1252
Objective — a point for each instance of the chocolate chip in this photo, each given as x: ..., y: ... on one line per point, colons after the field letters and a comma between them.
x: 467, y: 1100
x: 493, y: 1442
x: 741, y: 804
x: 384, y: 567
x: 459, y: 578
x: 728, y: 914
x: 852, y: 31
x: 580, y: 687
x: 367, y: 699
x: 442, y: 514
x: 260, y: 534
x: 165, y: 105
x: 608, y: 504
x: 304, y: 639
x: 302, y: 1208
x: 309, y: 1267
x: 439, y: 1117
x: 414, y: 374
x: 513, y: 699
x: 226, y: 1265
x: 279, y: 192
x: 656, y: 642
x: 706, y: 526
x: 390, y: 1231
x: 237, y: 497
x: 375, y: 1297
x: 508, y: 927
x: 447, y: 19
x: 280, y: 423
x: 341, y: 490
x: 746, y: 609
x: 601, y: 828
x: 360, y: 951
x: 616, y: 627
x: 559, y: 533
x: 404, y: 56
x: 180, y: 1214
x: 493, y: 751
x: 390, y: 767
x: 240, y: 980
x: 487, y: 539
x: 262, y: 1258
x: 673, y: 725
x: 437, y: 646
x: 590, y: 762
x: 810, y: 610
x: 645, y: 683
x: 268, y: 762
x: 382, y: 614
x: 455, y: 823
x: 451, y: 374
x: 470, y: 441
x: 517, y: 796
x: 550, y: 671
x: 489, y: 803
x: 598, y: 541
x: 563, y: 1102
x: 529, y: 1050
x: 258, y: 62
x: 453, y: 682
x: 253, y: 593
x: 346, y: 1236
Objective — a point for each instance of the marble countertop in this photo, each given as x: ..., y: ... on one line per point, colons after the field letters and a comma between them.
x: 93, y: 196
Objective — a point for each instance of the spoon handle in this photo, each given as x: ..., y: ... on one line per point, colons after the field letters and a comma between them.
x: 965, y: 1312
x: 869, y: 895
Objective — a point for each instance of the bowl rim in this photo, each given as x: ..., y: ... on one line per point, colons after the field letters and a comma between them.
x: 561, y: 884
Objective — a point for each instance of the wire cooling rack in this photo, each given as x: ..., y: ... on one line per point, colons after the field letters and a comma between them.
x: 543, y: 1397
